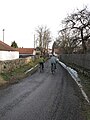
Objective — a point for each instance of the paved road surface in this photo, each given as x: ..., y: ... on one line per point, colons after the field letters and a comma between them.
x: 42, y: 96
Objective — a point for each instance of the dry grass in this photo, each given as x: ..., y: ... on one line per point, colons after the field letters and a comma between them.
x: 2, y: 81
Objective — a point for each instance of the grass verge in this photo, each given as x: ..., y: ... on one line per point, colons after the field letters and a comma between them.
x: 85, y: 81
x: 17, y: 74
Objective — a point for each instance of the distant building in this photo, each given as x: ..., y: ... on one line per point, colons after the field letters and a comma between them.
x: 7, y: 52
x: 26, y: 52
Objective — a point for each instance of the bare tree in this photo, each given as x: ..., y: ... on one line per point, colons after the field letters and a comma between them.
x: 39, y: 31
x: 79, y: 22
x: 43, y: 37
x: 53, y: 47
x: 67, y: 40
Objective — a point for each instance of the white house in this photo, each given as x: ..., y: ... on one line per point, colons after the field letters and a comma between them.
x: 7, y: 52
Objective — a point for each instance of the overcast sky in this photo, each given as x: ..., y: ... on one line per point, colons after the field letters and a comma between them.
x: 20, y: 18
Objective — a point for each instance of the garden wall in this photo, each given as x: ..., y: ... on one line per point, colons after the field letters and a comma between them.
x: 10, y: 65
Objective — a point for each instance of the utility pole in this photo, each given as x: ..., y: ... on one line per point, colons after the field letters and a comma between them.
x: 34, y: 41
x: 3, y: 34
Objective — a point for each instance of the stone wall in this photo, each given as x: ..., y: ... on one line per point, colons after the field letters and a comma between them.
x: 10, y: 65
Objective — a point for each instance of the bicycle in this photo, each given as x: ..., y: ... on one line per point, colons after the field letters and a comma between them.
x: 53, y: 67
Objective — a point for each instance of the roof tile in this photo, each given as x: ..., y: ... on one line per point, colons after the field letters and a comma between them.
x: 5, y: 47
x: 25, y: 50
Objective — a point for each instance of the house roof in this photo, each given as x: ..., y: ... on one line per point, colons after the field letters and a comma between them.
x: 5, y: 47
x: 25, y: 50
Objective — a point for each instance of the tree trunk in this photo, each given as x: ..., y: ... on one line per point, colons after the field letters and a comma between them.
x: 83, y: 42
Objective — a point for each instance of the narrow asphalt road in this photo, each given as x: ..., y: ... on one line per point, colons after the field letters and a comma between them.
x: 42, y: 96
